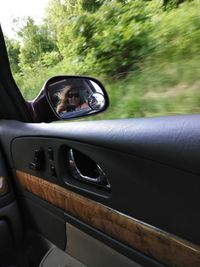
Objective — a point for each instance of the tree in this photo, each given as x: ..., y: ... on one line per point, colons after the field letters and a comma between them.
x: 13, y: 49
x: 36, y: 41
x: 172, y: 3
x: 91, y: 5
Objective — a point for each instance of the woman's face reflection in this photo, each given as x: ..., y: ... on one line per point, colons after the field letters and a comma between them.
x: 74, y: 98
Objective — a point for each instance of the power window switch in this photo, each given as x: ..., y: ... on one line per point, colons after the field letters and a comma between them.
x: 53, y: 171
x: 50, y: 153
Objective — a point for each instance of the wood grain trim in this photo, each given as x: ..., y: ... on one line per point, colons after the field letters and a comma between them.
x: 151, y: 241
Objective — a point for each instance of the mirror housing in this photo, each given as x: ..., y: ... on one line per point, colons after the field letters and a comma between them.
x: 75, y: 96
x: 69, y: 97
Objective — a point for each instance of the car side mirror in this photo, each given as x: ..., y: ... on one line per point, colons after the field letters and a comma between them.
x: 75, y: 96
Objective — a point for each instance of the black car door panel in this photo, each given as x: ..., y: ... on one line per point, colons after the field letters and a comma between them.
x: 136, y: 183
x: 151, y: 165
x: 172, y: 140
x: 12, y: 236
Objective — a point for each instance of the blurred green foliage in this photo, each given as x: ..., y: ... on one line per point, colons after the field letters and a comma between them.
x: 146, y: 52
x: 13, y: 48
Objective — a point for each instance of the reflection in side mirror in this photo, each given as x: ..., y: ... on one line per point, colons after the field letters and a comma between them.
x: 96, y: 101
x: 73, y: 96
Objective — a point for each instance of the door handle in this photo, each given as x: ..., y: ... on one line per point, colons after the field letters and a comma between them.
x: 100, y: 179
x: 3, y: 186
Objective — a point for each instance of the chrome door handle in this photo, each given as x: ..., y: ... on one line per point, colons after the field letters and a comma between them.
x: 3, y: 186
x: 100, y: 179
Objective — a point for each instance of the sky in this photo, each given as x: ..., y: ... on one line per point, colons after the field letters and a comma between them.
x: 10, y: 9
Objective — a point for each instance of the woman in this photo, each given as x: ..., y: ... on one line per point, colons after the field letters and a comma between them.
x: 70, y: 100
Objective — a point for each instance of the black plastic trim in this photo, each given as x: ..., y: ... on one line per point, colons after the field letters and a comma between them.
x: 44, y: 219
x: 14, y: 106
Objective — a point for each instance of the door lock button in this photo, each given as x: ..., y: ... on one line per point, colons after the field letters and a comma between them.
x: 38, y: 160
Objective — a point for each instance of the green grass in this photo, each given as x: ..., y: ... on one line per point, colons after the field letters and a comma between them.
x: 154, y: 90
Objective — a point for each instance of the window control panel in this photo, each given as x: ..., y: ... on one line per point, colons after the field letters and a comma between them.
x: 53, y: 171
x: 38, y: 160
x: 50, y: 153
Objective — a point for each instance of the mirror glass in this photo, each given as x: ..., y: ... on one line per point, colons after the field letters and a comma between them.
x: 72, y: 97
x: 96, y: 101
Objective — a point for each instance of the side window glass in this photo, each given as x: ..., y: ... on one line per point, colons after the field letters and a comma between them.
x: 146, y: 53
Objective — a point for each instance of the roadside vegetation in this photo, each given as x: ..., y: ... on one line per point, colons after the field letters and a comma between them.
x: 147, y: 53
